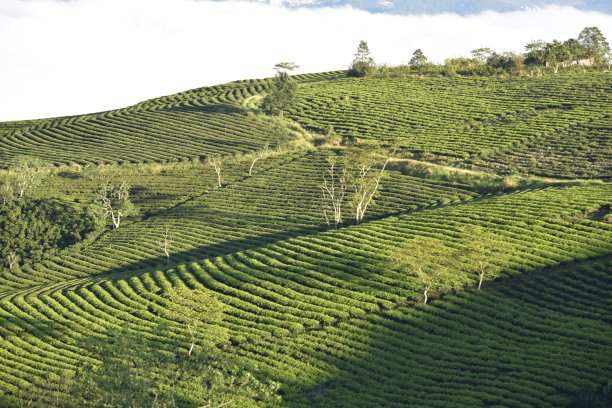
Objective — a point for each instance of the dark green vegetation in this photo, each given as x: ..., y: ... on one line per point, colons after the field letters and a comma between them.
x: 229, y: 287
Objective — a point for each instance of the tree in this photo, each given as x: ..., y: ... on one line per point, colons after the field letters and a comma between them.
x: 281, y: 95
x: 418, y: 58
x: 595, y: 44
x: 12, y: 260
x: 576, y: 49
x: 431, y: 262
x: 259, y: 155
x: 484, y: 250
x: 215, y: 163
x: 6, y: 193
x: 482, y: 54
x: 29, y: 172
x: 114, y: 201
x: 535, y: 52
x: 199, y: 313
x: 363, y: 64
x: 34, y: 227
x: 367, y: 170
x: 334, y: 190
x: 166, y: 242
x: 557, y: 54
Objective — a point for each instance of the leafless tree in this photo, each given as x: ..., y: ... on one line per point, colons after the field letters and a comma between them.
x: 115, y: 201
x: 166, y: 242
x: 262, y: 154
x: 215, y: 162
x: 334, y: 190
x: 369, y: 168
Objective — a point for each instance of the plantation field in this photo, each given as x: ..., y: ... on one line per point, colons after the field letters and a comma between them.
x: 480, y: 120
x: 325, y: 313
x: 179, y: 127
x: 303, y: 283
x: 264, y: 208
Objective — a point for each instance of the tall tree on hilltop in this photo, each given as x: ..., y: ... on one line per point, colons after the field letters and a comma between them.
x: 595, y: 44
x: 363, y: 64
x: 418, y: 58
x: 281, y: 95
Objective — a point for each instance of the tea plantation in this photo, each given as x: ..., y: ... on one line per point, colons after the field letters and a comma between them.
x: 507, y: 177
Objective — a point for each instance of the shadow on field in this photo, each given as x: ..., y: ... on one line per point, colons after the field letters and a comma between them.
x: 533, y: 340
x: 214, y: 108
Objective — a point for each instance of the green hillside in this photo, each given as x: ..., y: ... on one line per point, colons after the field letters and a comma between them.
x: 313, y: 315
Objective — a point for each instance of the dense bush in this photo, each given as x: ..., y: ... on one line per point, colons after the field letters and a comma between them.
x: 31, y: 228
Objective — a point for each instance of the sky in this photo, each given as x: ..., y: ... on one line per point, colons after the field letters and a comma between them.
x: 68, y: 57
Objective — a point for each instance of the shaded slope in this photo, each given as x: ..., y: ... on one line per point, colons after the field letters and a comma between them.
x: 292, y: 286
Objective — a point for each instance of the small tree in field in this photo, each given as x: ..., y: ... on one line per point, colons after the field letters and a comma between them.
x: 29, y: 173
x: 259, y: 155
x: 484, y: 252
x: 215, y: 163
x: 166, y: 242
x: 433, y: 264
x: 367, y: 170
x: 363, y: 63
x: 198, y: 312
x: 114, y: 201
x: 281, y: 95
x: 333, y: 187
x: 12, y: 260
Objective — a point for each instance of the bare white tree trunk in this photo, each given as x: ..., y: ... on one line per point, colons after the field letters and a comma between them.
x: 425, y: 298
x: 166, y: 243
x: 259, y: 156
x: 192, y: 332
x: 11, y: 259
x: 480, y: 278
x: 215, y: 162
x: 334, y: 190
x: 364, y: 192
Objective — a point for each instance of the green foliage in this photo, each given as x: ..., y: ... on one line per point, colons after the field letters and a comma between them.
x: 199, y: 314
x: 418, y: 58
x: 363, y: 64
x: 31, y: 229
x: 281, y: 94
x: 484, y: 253
x: 595, y: 44
x: 113, y: 203
x: 134, y: 372
x: 29, y: 173
x: 434, y: 265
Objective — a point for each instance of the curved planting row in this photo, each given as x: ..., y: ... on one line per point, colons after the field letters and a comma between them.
x: 305, y: 283
x: 460, y: 117
x: 191, y: 124
x: 589, y: 144
x: 283, y: 200
x: 533, y: 341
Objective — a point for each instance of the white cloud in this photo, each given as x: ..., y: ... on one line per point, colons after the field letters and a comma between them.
x: 71, y: 57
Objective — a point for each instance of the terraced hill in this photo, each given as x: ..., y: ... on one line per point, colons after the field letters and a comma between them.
x: 322, y: 311
x: 495, y: 122
x: 296, y: 285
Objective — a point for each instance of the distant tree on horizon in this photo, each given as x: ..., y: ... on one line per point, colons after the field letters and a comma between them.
x: 363, y: 64
x: 418, y: 58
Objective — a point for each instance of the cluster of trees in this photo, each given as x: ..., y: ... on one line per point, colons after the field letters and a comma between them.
x: 440, y: 268
x: 31, y: 228
x: 590, y: 48
x: 355, y: 176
